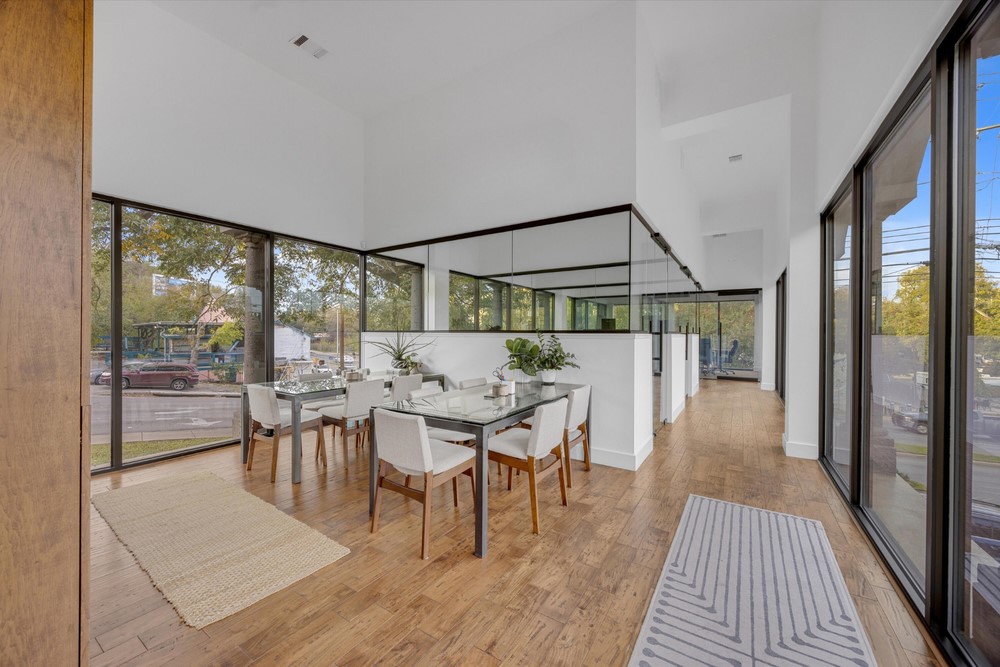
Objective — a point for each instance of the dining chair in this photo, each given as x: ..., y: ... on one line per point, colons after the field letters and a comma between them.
x: 403, y: 445
x: 575, y: 430
x: 402, y: 385
x: 322, y: 402
x: 523, y: 449
x: 265, y: 414
x: 471, y: 382
x: 352, y: 416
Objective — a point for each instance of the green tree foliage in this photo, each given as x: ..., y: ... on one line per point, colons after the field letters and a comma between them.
x: 461, y: 302
x: 393, y: 295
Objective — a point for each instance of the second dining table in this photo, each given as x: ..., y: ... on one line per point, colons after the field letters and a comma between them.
x: 477, y: 412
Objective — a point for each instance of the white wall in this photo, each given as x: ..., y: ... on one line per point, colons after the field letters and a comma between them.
x: 673, y: 378
x: 617, y: 366
x: 545, y: 132
x: 692, y: 380
x: 733, y: 261
x: 661, y: 188
x: 184, y: 121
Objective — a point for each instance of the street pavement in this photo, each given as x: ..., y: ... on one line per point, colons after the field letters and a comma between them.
x: 142, y: 413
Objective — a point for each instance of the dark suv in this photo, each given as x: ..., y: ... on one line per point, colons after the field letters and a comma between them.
x: 155, y: 374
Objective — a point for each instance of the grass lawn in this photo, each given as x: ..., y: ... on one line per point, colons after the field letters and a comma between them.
x: 979, y: 457
x: 100, y: 455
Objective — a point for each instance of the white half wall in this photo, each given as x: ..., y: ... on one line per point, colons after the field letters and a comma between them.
x: 616, y: 365
x: 673, y: 377
x: 692, y: 380
x: 184, y: 121
x: 547, y: 131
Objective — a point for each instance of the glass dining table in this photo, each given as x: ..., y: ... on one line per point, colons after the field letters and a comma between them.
x: 298, y: 392
x: 473, y: 411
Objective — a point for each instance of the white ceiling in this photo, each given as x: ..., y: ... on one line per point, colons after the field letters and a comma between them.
x: 380, y: 53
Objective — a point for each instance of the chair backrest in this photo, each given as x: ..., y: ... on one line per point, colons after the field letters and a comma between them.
x: 546, y: 428
x: 471, y: 382
x: 402, y: 385
x: 576, y: 412
x: 363, y: 396
x: 402, y: 440
x: 424, y: 392
x: 263, y: 405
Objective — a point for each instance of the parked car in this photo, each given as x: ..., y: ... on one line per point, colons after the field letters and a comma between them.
x: 914, y: 421
x: 156, y: 374
x: 96, y: 373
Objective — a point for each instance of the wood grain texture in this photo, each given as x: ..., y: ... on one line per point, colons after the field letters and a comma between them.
x: 44, y: 324
x: 575, y: 594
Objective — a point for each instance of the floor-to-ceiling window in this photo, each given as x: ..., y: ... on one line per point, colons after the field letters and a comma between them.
x: 100, y: 334
x: 316, y: 308
x: 979, y: 466
x: 838, y: 239
x: 912, y: 302
x: 898, y: 222
x: 184, y: 300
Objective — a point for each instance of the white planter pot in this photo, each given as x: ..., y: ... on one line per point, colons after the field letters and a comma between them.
x: 548, y: 377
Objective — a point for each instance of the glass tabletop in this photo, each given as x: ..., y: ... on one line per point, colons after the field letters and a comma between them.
x: 297, y: 387
x: 477, y: 406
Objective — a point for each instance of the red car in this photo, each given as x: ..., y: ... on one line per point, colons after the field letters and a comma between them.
x: 156, y: 374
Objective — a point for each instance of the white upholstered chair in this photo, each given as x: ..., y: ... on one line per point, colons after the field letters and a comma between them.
x: 265, y: 413
x: 402, y: 385
x: 403, y: 445
x: 471, y: 382
x: 575, y: 430
x: 527, y: 450
x: 352, y: 416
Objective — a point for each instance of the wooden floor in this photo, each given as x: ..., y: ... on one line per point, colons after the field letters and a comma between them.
x: 574, y: 595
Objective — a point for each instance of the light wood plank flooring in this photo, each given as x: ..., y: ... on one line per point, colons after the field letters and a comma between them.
x: 574, y: 595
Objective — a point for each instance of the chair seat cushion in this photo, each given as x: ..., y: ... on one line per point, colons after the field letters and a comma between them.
x: 445, y: 456
x: 286, y: 417
x: 513, y: 443
x: 337, y: 412
x: 322, y: 403
x: 450, y: 436
x: 529, y: 421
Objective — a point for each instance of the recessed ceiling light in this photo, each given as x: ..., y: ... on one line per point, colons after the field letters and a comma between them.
x: 736, y: 158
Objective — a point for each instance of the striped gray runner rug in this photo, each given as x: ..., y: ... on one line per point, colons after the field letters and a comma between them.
x: 744, y: 586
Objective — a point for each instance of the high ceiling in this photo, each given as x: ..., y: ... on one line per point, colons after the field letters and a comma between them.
x: 380, y: 53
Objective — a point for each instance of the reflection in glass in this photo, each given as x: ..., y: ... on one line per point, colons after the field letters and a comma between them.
x: 899, y: 224
x: 494, y: 297
x: 461, y: 302
x: 100, y: 334
x: 394, y: 294
x: 980, y: 499
x: 188, y: 299
x: 545, y: 305
x: 316, y: 291
x: 838, y: 362
x: 521, y: 309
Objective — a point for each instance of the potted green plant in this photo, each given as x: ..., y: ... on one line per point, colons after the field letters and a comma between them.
x: 552, y: 358
x: 402, y: 351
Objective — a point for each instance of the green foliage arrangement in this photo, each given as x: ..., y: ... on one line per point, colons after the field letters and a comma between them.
x: 546, y: 355
x: 403, y: 350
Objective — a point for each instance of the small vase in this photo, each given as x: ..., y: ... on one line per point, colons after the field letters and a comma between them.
x: 548, y: 377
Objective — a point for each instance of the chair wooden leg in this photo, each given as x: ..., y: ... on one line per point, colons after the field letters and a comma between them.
x: 343, y: 438
x: 472, y: 478
x: 425, y: 546
x: 378, y: 496
x: 321, y: 444
x: 406, y: 482
x: 253, y: 443
x: 566, y: 462
x: 562, y: 480
x: 510, y: 477
x: 499, y: 471
x: 534, y: 494
x: 454, y: 489
x: 586, y: 447
x: 274, y: 454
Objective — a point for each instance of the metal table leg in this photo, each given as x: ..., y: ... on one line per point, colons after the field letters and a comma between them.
x: 296, y: 441
x: 244, y: 424
x: 482, y: 476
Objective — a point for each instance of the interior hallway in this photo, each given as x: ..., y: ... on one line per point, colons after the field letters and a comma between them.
x: 576, y: 594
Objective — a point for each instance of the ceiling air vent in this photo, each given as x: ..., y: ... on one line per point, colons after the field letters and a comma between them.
x: 736, y: 158
x: 719, y: 236
x: 309, y: 46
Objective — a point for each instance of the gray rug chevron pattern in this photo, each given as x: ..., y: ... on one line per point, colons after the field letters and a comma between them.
x: 745, y: 586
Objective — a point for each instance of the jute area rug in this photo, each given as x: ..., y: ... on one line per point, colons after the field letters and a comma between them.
x: 744, y: 586
x: 211, y: 548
